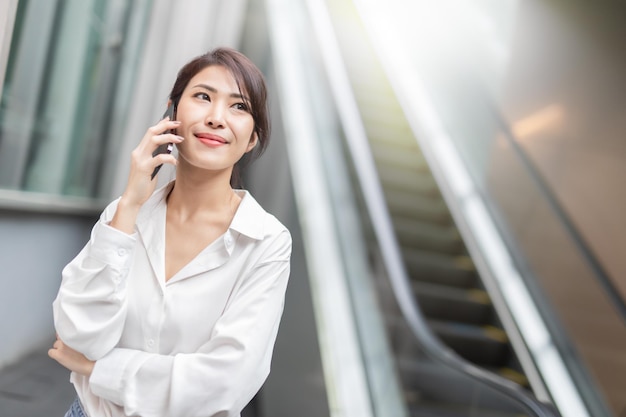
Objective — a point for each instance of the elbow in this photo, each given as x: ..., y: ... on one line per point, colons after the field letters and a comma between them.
x: 90, y: 345
x: 87, y: 338
x: 238, y: 395
x: 232, y: 396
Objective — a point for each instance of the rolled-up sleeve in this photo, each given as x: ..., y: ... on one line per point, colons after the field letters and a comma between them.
x: 223, y: 375
x: 89, y: 310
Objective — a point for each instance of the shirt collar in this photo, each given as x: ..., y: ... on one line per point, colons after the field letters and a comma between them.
x: 249, y: 219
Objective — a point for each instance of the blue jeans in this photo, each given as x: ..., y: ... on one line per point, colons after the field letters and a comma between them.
x: 76, y: 410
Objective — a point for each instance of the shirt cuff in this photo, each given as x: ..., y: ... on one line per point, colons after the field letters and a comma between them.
x: 111, y: 373
x: 112, y: 246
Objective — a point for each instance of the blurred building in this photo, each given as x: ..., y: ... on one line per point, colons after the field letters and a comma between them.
x: 451, y: 173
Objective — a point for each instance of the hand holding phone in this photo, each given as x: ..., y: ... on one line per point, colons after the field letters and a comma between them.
x: 166, y: 147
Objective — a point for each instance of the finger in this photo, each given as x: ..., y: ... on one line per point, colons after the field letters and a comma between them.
x: 52, y: 353
x: 164, y: 158
x: 160, y: 128
x: 164, y: 138
x: 163, y: 126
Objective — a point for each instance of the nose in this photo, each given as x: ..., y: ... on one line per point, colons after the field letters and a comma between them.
x: 215, y: 116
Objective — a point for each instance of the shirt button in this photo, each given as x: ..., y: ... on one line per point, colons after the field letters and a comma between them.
x: 150, y: 342
x: 228, y: 240
x: 121, y: 252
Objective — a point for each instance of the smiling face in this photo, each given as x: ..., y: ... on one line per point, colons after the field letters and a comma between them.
x: 215, y: 122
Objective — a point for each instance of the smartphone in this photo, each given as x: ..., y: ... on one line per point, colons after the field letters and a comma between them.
x: 166, y: 147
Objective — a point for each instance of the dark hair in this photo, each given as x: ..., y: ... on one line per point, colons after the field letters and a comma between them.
x: 250, y: 82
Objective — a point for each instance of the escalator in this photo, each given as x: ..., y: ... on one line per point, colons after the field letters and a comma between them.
x: 444, y: 280
x: 421, y: 300
x: 405, y: 375
x: 451, y: 294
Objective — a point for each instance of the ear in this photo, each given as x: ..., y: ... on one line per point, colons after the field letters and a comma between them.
x: 253, y: 141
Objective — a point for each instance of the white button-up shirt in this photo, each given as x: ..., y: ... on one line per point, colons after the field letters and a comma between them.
x: 199, y: 344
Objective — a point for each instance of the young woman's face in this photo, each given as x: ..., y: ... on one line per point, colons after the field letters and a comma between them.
x: 215, y: 121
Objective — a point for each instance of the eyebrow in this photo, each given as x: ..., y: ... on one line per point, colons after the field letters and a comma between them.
x: 214, y: 90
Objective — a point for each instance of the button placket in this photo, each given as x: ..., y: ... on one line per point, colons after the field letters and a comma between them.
x: 155, y: 318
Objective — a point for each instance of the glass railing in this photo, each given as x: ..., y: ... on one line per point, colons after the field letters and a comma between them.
x: 583, y: 308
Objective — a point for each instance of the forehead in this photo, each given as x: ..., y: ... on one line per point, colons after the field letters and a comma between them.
x: 217, y: 77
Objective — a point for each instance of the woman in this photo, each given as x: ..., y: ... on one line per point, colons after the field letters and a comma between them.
x: 173, y: 306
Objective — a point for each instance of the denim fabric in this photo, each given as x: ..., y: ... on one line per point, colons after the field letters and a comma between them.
x: 76, y: 410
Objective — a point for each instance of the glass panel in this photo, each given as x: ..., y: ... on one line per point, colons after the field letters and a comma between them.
x: 62, y: 79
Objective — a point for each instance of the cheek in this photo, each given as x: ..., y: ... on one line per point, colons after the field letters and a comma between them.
x: 187, y: 111
x: 246, y: 129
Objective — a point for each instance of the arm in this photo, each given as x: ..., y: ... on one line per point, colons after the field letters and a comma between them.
x: 140, y: 184
x: 222, y: 376
x: 90, y: 308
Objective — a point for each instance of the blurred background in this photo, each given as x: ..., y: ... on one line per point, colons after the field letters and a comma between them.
x: 451, y: 172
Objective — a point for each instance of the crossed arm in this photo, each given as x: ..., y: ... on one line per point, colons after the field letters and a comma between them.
x: 71, y: 359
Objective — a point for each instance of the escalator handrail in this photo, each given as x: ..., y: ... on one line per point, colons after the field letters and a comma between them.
x: 369, y: 182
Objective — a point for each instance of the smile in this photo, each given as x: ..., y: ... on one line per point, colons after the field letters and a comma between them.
x: 211, y: 140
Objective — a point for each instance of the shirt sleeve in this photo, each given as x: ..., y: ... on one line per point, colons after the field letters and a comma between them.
x: 224, y: 374
x: 90, y: 308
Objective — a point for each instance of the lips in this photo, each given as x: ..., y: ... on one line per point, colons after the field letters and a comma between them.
x: 211, y: 140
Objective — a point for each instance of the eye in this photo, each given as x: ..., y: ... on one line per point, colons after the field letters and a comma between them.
x: 241, y: 106
x: 202, y: 96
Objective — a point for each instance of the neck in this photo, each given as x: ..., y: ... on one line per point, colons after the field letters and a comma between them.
x: 201, y: 193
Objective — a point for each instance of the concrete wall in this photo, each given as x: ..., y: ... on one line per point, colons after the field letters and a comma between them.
x: 34, y: 247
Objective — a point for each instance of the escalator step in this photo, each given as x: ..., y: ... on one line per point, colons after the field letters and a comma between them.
x: 425, y: 266
x: 417, y: 207
x: 483, y: 345
x: 447, y: 410
x: 387, y: 112
x: 428, y: 236
x: 513, y: 375
x: 431, y: 389
x: 399, y: 136
x: 398, y: 179
x: 446, y: 303
x: 401, y: 157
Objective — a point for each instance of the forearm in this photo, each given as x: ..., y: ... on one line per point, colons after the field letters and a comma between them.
x: 220, y: 377
x: 90, y: 307
x: 125, y: 216
x: 140, y: 184
x: 195, y: 384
